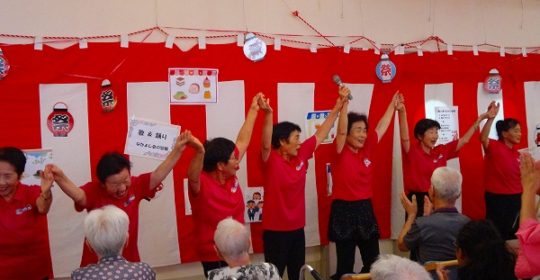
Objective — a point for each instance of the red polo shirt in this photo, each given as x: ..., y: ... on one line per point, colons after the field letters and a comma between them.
x: 418, y: 166
x: 501, y: 169
x: 352, y: 172
x: 284, y: 189
x: 24, y: 237
x: 97, y: 197
x: 213, y: 203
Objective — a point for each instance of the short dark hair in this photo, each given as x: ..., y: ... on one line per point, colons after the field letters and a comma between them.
x: 487, y: 256
x: 15, y: 157
x: 353, y: 117
x: 217, y: 150
x: 423, y: 125
x: 505, y: 125
x: 282, y: 131
x: 110, y: 164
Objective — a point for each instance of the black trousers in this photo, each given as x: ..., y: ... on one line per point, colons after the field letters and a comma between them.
x: 285, y: 249
x: 503, y: 211
x: 345, y: 250
x: 207, y: 266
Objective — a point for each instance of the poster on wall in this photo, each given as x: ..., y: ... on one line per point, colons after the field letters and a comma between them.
x: 448, y: 119
x: 254, y: 198
x: 314, y: 120
x: 150, y: 139
x: 193, y: 85
x: 36, y: 159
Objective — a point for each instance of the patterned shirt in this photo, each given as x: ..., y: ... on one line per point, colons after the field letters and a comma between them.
x: 114, y: 267
x: 262, y: 271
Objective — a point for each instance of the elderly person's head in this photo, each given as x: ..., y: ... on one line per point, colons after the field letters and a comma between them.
x: 446, y: 185
x: 232, y: 242
x: 106, y: 230
x: 392, y: 267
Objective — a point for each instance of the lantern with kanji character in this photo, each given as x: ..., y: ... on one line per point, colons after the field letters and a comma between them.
x: 4, y: 65
x: 492, y: 84
x: 254, y: 47
x: 385, y: 69
x: 107, y: 97
x: 60, y: 121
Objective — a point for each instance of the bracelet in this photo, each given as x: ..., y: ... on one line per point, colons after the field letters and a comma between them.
x: 46, y: 198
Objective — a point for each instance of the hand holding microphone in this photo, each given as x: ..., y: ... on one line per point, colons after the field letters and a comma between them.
x: 338, y: 82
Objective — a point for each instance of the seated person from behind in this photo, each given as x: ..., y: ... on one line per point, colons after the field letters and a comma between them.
x: 392, y: 267
x: 434, y: 235
x: 106, y: 231
x: 232, y: 245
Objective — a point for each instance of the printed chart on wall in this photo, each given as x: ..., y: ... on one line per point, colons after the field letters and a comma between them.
x: 150, y: 139
x: 36, y: 160
x: 193, y: 85
x: 254, y: 198
x: 314, y: 120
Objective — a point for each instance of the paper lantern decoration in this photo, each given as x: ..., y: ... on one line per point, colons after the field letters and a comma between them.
x: 385, y: 69
x: 537, y: 139
x: 254, y: 47
x: 4, y: 65
x: 107, y: 97
x: 60, y: 121
x: 492, y: 84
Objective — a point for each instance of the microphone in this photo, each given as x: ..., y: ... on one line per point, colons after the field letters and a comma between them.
x: 338, y: 82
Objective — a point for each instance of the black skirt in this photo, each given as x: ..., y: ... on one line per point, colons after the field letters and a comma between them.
x: 352, y: 220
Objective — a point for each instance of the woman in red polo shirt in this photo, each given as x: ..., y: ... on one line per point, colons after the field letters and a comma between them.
x: 24, y: 242
x: 286, y: 163
x: 502, y: 179
x: 352, y: 221
x: 421, y: 159
x: 214, y: 190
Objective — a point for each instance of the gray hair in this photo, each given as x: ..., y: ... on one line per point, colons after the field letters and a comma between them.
x: 106, y: 229
x: 232, y: 239
x: 392, y: 267
x: 446, y: 183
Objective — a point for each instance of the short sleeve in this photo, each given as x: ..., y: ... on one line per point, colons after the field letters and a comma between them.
x: 141, y: 185
x: 307, y: 148
x: 450, y: 149
x: 91, y: 190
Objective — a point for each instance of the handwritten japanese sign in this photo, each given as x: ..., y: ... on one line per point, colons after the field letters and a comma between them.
x: 448, y: 119
x: 150, y: 139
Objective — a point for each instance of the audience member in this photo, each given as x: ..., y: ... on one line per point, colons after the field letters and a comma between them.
x: 528, y: 261
x: 482, y: 253
x: 232, y: 245
x: 433, y: 235
x: 392, y: 267
x: 106, y: 231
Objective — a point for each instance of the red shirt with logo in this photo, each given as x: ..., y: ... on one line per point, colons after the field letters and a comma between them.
x: 501, y: 169
x: 97, y: 197
x: 284, y: 189
x: 418, y: 166
x: 213, y: 203
x: 352, y: 173
x: 24, y: 237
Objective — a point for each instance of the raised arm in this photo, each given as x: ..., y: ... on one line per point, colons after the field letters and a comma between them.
x: 67, y: 186
x: 327, y: 124
x: 343, y: 122
x: 244, y: 135
x: 44, y: 200
x: 195, y: 165
x: 266, y: 138
x: 386, y: 119
x: 467, y: 136
x: 493, y: 110
x: 411, y: 208
x: 403, y: 125
x: 530, y: 179
x: 170, y: 161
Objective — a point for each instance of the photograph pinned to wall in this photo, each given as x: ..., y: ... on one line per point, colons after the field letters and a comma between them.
x: 36, y: 159
x: 193, y: 85
x: 254, y: 198
x: 314, y: 120
x: 448, y: 119
x: 150, y: 139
